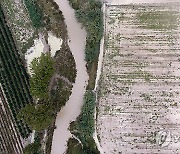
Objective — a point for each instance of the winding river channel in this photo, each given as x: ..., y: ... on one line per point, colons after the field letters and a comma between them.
x: 77, y: 37
x: 72, y: 109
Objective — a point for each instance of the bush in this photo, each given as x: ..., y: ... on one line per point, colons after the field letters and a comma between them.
x: 38, y: 117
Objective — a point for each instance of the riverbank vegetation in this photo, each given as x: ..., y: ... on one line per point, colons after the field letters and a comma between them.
x: 67, y: 68
x: 34, y: 148
x: 84, y: 127
x: 46, y: 16
x: 53, y: 20
x: 76, y: 147
x: 51, y: 90
x: 49, y: 87
x: 89, y: 13
x: 38, y: 117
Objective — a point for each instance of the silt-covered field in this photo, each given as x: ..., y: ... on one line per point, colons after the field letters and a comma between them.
x: 139, y: 96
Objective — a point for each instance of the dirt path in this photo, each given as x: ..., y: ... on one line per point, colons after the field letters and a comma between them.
x: 119, y: 2
x: 73, y: 106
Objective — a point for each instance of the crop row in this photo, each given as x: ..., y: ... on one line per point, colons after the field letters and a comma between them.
x: 9, y: 139
x: 13, y: 76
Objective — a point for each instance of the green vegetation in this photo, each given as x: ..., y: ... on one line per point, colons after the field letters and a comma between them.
x: 42, y: 69
x: 34, y: 12
x: 89, y: 13
x: 85, y: 122
x: 83, y: 127
x: 77, y: 148
x: 50, y: 133
x: 52, y: 92
x: 160, y: 20
x: 13, y: 76
x: 38, y: 117
x: 33, y: 148
x: 53, y: 18
x: 65, y: 63
x: 60, y: 96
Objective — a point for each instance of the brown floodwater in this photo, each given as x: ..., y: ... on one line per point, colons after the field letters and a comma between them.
x: 77, y: 37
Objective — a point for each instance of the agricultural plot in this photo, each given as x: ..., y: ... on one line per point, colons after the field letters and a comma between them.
x: 19, y: 22
x: 139, y: 110
x: 10, y: 141
x: 13, y: 76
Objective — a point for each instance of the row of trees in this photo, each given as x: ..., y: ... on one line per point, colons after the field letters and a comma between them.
x: 40, y: 115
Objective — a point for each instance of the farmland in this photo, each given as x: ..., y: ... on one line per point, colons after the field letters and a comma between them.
x: 13, y: 75
x: 10, y: 139
x: 139, y: 87
x: 20, y: 24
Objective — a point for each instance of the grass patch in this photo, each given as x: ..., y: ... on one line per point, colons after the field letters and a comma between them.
x: 159, y: 20
x: 35, y: 13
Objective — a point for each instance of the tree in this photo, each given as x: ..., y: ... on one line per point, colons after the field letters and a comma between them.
x: 42, y: 69
x: 38, y: 117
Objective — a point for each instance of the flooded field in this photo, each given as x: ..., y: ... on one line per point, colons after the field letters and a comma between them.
x: 139, y: 110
